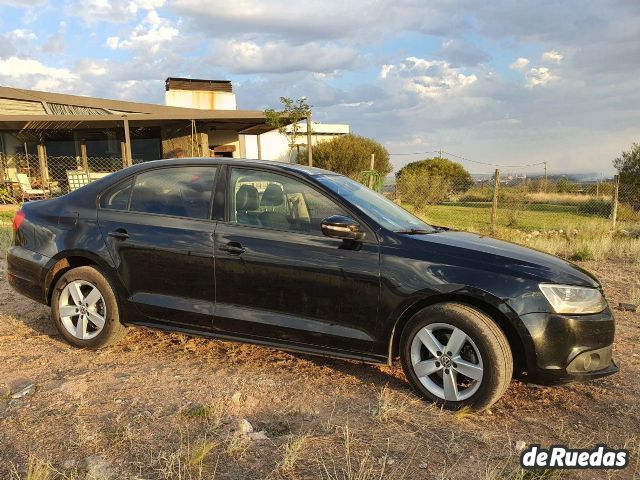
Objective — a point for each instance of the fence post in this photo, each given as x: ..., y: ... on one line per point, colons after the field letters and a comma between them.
x: 44, y: 168
x: 494, y: 205
x: 373, y: 166
x: 614, y: 206
x: 83, y: 154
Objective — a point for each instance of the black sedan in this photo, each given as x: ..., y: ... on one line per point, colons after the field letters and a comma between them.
x: 308, y: 260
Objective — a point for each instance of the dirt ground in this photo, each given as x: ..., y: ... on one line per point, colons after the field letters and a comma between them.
x: 161, y: 405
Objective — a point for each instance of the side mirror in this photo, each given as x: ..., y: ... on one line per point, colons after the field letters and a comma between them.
x: 342, y: 227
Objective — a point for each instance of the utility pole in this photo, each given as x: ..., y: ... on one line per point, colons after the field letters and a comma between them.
x: 545, y: 176
x: 309, y: 147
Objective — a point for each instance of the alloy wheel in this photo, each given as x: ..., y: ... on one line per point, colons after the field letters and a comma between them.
x: 446, y: 361
x: 82, y: 309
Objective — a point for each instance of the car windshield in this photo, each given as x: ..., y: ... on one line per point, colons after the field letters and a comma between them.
x: 379, y: 208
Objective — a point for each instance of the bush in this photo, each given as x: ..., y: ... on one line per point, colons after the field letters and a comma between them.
x: 453, y: 172
x: 350, y: 155
x: 595, y: 206
x: 581, y: 254
x: 421, y: 191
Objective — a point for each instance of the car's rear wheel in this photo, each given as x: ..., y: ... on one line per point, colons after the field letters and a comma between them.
x: 455, y: 356
x: 85, y: 309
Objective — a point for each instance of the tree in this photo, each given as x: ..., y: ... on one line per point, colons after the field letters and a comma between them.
x: 350, y: 155
x: 422, y: 191
x: 292, y: 113
x: 458, y: 179
x: 628, y: 166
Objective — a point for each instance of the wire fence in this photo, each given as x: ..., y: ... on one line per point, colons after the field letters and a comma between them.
x: 32, y: 176
x: 560, y: 215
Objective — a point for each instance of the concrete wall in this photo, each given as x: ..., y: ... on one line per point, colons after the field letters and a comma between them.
x: 203, y: 100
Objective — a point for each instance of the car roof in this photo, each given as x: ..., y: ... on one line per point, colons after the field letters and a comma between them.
x: 311, y: 171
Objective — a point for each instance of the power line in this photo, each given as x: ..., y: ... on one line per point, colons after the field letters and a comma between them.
x: 472, y: 161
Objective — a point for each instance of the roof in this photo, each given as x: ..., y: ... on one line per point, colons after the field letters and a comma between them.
x: 179, y: 83
x: 31, y: 109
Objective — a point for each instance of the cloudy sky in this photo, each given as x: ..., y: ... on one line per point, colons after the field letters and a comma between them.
x: 509, y: 82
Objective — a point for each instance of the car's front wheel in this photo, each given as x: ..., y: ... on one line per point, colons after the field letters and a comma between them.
x: 455, y: 356
x: 85, y: 309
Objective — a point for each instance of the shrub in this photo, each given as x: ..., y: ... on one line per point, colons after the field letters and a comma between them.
x: 581, y: 254
x: 350, y: 155
x: 455, y: 174
x: 421, y: 191
x: 595, y: 206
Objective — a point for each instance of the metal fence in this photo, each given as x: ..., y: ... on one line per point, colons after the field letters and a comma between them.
x: 535, y: 206
x: 27, y: 176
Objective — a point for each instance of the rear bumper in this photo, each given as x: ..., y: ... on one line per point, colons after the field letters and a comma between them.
x: 26, y: 271
x: 570, y: 348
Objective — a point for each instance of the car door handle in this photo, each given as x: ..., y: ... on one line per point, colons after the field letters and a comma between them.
x: 120, y: 234
x: 233, y: 248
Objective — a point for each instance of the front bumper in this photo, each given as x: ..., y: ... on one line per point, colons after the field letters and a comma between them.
x: 570, y: 348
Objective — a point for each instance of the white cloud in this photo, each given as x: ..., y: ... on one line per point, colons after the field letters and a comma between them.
x: 520, y: 64
x: 113, y: 11
x: 427, y: 78
x: 113, y: 42
x: 91, y: 67
x: 30, y: 73
x: 279, y: 57
x: 552, y: 56
x: 22, y: 35
x: 539, y: 77
x: 149, y: 35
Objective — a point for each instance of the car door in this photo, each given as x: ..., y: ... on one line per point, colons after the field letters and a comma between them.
x: 278, y: 277
x: 158, y: 231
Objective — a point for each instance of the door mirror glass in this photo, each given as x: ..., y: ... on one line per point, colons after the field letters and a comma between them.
x: 343, y: 227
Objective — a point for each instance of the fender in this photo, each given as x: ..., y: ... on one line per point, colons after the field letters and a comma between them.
x: 509, y: 322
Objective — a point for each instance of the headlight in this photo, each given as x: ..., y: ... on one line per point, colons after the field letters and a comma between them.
x: 572, y: 299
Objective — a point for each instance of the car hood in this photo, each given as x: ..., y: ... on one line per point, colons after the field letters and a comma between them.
x: 499, y: 256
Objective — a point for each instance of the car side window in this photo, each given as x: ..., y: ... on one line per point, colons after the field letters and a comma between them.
x: 117, y: 197
x: 269, y: 200
x: 175, y: 191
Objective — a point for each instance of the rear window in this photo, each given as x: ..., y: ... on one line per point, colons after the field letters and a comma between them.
x: 174, y: 191
x: 117, y: 198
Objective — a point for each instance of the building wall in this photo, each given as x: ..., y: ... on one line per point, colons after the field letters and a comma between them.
x: 204, y: 100
x: 275, y: 146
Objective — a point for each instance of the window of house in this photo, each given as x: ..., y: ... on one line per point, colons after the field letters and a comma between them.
x: 175, y: 191
x: 279, y: 202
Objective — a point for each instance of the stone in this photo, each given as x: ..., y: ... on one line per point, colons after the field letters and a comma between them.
x: 520, y: 447
x: 24, y: 391
x: 97, y: 467
x: 261, y: 435
x: 244, y: 426
x: 628, y: 307
x: 236, y: 399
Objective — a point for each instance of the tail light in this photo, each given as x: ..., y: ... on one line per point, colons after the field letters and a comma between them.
x: 17, y: 221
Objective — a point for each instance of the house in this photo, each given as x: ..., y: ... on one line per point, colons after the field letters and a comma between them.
x: 46, y: 135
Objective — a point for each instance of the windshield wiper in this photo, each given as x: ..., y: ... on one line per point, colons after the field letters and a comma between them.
x: 416, y: 231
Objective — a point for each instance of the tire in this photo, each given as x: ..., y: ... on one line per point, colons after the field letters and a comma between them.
x: 85, y: 309
x: 481, y: 350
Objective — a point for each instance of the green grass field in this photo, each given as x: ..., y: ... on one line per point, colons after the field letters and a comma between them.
x: 553, y: 230
x: 477, y: 217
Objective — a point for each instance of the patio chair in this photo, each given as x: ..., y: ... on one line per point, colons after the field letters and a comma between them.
x: 77, y: 179
x: 29, y: 193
